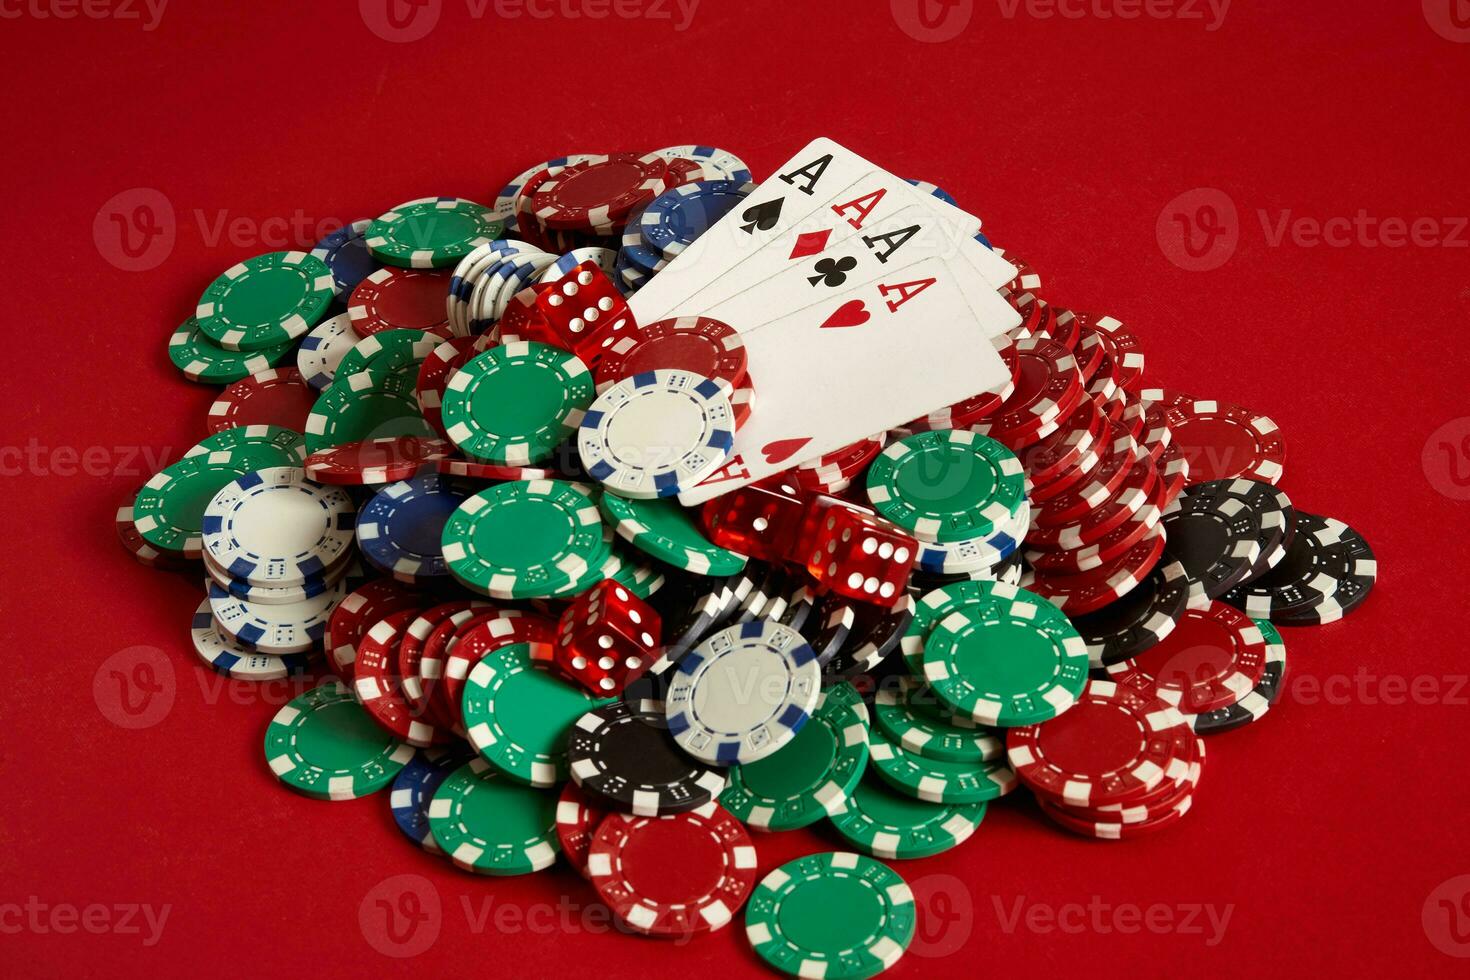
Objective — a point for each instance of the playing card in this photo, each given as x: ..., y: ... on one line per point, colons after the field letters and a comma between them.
x: 859, y: 361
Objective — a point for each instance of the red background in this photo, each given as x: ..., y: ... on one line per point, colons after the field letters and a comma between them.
x: 1322, y: 830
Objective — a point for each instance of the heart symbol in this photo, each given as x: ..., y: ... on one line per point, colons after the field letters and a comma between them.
x: 783, y: 449
x: 853, y: 313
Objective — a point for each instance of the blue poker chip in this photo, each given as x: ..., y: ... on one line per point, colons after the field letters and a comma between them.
x: 980, y: 237
x: 973, y: 554
x: 934, y: 190
x: 633, y: 252
x: 675, y: 219
x: 346, y: 253
x: 627, y: 276
x: 414, y: 788
x: 400, y: 530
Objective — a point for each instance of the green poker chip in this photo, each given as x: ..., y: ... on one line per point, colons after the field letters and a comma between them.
x: 516, y: 403
x: 202, y: 360
x: 518, y: 717
x: 888, y: 824
x: 947, y: 485
x: 263, y: 446
x: 266, y: 301
x: 401, y: 350
x: 844, y: 693
x: 169, y: 509
x: 326, y: 746
x: 431, y: 232
x: 662, y: 528
x: 808, y: 778
x: 937, y: 780
x: 838, y: 915
x: 931, y: 607
x: 1011, y: 658
x: 639, y: 578
x: 926, y: 734
x: 491, y: 825
x: 526, y: 539
x: 371, y: 404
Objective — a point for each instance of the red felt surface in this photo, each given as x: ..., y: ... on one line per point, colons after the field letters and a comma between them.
x: 1321, y: 834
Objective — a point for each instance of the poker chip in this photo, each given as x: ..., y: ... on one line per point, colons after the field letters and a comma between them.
x: 448, y: 668
x: 431, y: 232
x: 1048, y: 383
x: 700, y: 345
x: 357, y: 612
x: 169, y: 509
x: 1214, y: 657
x: 925, y: 734
x: 379, y: 689
x: 323, y: 745
x: 435, y: 624
x: 1006, y: 659
x: 512, y: 405
x: 976, y: 554
x: 625, y: 760
x: 400, y: 299
x: 713, y: 162
x: 274, y: 528
x: 202, y: 360
x: 875, y: 634
x: 273, y: 397
x: 1083, y: 592
x: 1328, y: 570
x: 1077, y: 557
x: 937, y: 780
x: 577, y: 821
x: 1125, y: 502
x: 266, y: 301
x: 519, y: 717
x: 322, y: 350
x: 834, y: 622
x: 891, y: 825
x: 1274, y: 513
x: 1114, y: 743
x: 374, y: 461
x: 504, y: 208
x: 346, y: 254
x: 1254, y: 705
x: 1107, y: 830
x: 778, y: 682
x: 665, y: 530
x: 519, y: 540
x: 401, y: 530
x: 597, y: 192
x: 144, y: 553
x: 672, y: 221
x: 1216, y: 539
x: 827, y: 472
x: 414, y: 788
x: 1119, y: 455
x: 603, y: 258
x: 291, y: 627
x: 491, y: 825
x: 656, y: 434
x: 225, y: 656
x: 806, y: 780
x: 700, y: 892
x: 1220, y: 441
x: 374, y: 403
x: 1137, y: 621
x: 469, y: 469
x: 1122, y: 346
x: 835, y: 915
x: 946, y: 486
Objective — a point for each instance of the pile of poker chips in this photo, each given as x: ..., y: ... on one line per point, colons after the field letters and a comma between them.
x: 411, y: 506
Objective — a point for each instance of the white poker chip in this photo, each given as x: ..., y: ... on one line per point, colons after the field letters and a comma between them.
x: 657, y: 434
x: 743, y: 693
x: 275, y: 528
x: 236, y: 660
x: 293, y: 627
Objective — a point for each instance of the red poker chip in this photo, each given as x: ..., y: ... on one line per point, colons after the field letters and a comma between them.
x: 401, y: 299
x: 1173, y: 473
x: 492, y: 471
x: 474, y: 645
x: 1110, y: 830
x: 1068, y: 507
x: 1114, y: 744
x: 434, y: 375
x: 1114, y: 405
x: 1066, y: 329
x: 358, y: 611
x: 523, y: 319
x: 1104, y: 383
x: 1027, y: 279
x: 1156, y: 435
x: 1112, y: 544
x: 1084, y: 467
x: 411, y: 651
x: 840, y: 464
x: 596, y: 194
x: 1036, y: 314
x: 1084, y: 592
x: 435, y: 655
x: 1122, y: 345
x: 279, y: 397
x: 1131, y: 418
x: 376, y: 685
x: 1090, y: 353
x: 1048, y: 381
x: 1214, y: 657
x: 742, y: 402
x: 711, y: 872
x: 1127, y: 499
x: 374, y: 461
x: 708, y: 347
x: 1156, y: 801
x: 577, y: 821
x: 684, y: 171
x: 145, y: 553
x: 1045, y: 460
x: 1221, y: 441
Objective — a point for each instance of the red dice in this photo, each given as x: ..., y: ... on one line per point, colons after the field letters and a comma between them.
x: 762, y: 520
x: 855, y: 553
x: 585, y: 312
x: 607, y: 638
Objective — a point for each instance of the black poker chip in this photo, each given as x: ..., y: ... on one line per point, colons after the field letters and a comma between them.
x: 622, y: 759
x: 1327, y: 572
x: 828, y: 630
x: 1272, y: 507
x: 1215, y: 537
x: 799, y: 605
x: 1260, y: 698
x: 1141, y: 618
x: 874, y: 636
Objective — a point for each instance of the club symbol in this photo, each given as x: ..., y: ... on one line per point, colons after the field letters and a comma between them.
x: 832, y: 272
